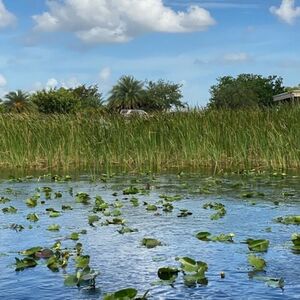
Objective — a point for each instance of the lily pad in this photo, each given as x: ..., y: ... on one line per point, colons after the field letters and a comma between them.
x: 125, y: 294
x: 125, y: 229
x: 33, y: 217
x: 92, y: 219
x: 9, y: 210
x: 168, y: 273
x: 258, y: 245
x: 27, y: 262
x: 131, y: 191
x: 289, y: 220
x: 256, y: 262
x: 82, y: 198
x: 150, y: 243
x: 53, y: 227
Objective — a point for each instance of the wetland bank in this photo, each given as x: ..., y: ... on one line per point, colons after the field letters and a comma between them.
x: 147, y: 236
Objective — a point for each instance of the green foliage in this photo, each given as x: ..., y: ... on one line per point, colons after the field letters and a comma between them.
x: 244, y: 91
x: 18, y: 102
x: 150, y: 243
x: 256, y: 262
x: 59, y: 101
x: 162, y: 95
x: 128, y: 93
x: 258, y: 245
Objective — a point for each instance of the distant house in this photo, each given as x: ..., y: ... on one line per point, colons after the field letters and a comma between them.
x: 292, y: 96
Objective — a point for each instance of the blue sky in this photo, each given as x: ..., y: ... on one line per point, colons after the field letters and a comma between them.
x: 69, y: 42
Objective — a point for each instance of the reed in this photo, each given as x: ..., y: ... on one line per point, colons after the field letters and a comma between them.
x: 194, y: 139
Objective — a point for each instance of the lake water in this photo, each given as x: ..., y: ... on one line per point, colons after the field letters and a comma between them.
x: 121, y: 259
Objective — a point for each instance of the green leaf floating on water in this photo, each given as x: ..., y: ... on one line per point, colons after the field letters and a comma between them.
x: 296, y: 239
x: 150, y: 243
x: 170, y: 198
x: 66, y: 207
x: 27, y: 262
x: 100, y: 204
x: 31, y: 251
x: 53, y: 227
x: 258, y: 245
x: 131, y: 191
x: 125, y: 229
x: 31, y: 202
x: 125, y: 294
x: 256, y: 262
x: 223, y: 238
x: 9, y: 210
x: 271, y: 282
x: 33, y: 217
x: 134, y: 201
x: 289, y: 220
x: 74, y: 236
x: 4, y: 200
x: 82, y: 198
x: 151, y: 207
x: 86, y: 277
x: 92, y: 219
x: 184, y: 213
x: 168, y: 273
x: 189, y: 265
x: 82, y: 261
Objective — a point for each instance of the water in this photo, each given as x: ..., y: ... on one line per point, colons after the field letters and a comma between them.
x: 123, y: 262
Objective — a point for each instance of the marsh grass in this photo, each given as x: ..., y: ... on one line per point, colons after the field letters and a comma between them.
x: 217, y: 139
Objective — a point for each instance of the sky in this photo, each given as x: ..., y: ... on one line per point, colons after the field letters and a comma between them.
x: 53, y: 43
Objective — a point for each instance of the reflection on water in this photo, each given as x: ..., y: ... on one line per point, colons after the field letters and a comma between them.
x: 121, y: 260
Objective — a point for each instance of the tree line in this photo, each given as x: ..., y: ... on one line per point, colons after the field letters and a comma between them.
x: 243, y: 91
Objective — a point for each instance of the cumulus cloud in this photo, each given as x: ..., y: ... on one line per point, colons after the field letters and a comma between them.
x: 287, y: 12
x: 117, y: 21
x: 3, y: 81
x: 51, y: 83
x: 6, y: 17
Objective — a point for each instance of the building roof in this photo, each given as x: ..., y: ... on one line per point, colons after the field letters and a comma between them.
x: 287, y: 96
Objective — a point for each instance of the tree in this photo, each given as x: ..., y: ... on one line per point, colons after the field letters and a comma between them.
x: 18, y: 101
x: 246, y: 90
x: 162, y: 95
x: 128, y: 93
x: 56, y: 101
x: 90, y: 97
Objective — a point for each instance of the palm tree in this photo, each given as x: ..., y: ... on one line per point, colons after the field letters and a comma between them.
x: 128, y: 93
x: 18, y: 101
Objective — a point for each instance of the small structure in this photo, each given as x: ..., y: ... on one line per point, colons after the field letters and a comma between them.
x: 292, y: 96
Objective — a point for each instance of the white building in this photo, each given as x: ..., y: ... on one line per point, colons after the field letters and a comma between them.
x: 288, y: 96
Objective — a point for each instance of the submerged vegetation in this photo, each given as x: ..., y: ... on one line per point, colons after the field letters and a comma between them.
x: 201, y: 138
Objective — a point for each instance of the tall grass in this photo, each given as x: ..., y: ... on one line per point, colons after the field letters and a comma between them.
x: 218, y: 139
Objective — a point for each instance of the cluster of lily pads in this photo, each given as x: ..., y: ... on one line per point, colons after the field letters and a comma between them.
x: 193, y: 272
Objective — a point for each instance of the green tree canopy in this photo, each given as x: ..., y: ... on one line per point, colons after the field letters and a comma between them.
x: 18, y: 101
x: 90, y: 97
x: 56, y: 101
x: 128, y: 93
x: 163, y: 95
x: 246, y: 90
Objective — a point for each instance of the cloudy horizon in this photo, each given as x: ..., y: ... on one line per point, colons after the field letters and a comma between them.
x: 45, y: 43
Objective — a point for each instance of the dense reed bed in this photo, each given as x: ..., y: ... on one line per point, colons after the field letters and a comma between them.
x: 217, y: 139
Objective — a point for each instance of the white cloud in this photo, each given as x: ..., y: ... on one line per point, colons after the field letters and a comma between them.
x: 236, y: 57
x: 6, y: 17
x: 116, y: 21
x: 51, y: 84
x: 3, y: 81
x: 287, y: 12
x: 105, y: 74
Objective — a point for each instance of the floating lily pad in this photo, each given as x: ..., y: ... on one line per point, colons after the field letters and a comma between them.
x: 27, y: 262
x: 125, y: 294
x: 150, y: 243
x: 125, y: 229
x: 53, y: 227
x: 33, y: 217
x: 4, y: 200
x: 271, y: 282
x: 134, y: 201
x: 9, y: 210
x: 224, y: 238
x: 258, y: 245
x: 168, y: 273
x: 184, y: 213
x: 82, y: 198
x: 256, y: 262
x: 92, y: 219
x: 151, y: 207
x: 131, y: 191
x: 289, y: 220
